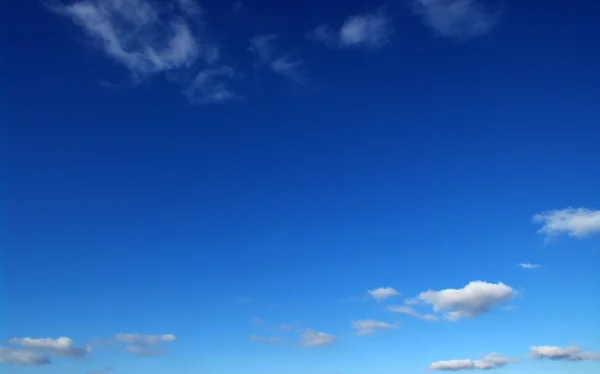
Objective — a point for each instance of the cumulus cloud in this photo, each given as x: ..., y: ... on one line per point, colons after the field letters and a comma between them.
x: 491, y: 361
x: 407, y: 310
x: 311, y: 338
x: 22, y: 357
x: 63, y: 345
x: 383, y: 293
x: 371, y: 30
x: 529, y: 266
x: 369, y: 326
x: 473, y: 300
x: 563, y: 354
x: 149, y: 38
x: 144, y: 345
x: 282, y: 64
x: 263, y: 339
x: 458, y: 19
x: 577, y: 223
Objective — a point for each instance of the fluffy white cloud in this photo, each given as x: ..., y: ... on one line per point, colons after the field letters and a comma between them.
x: 369, y: 326
x: 263, y: 339
x: 63, y: 345
x: 491, y: 361
x: 311, y: 338
x: 22, y: 357
x: 144, y: 345
x: 383, y: 293
x: 529, y: 266
x: 281, y: 64
x: 372, y: 30
x: 577, y: 223
x: 457, y: 19
x: 473, y: 300
x: 407, y: 310
x: 563, y: 354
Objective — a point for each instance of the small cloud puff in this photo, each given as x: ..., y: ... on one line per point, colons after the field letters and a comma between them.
x: 371, y: 31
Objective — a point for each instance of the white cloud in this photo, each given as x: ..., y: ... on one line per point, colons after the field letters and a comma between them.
x: 491, y: 361
x: 473, y: 300
x: 149, y: 38
x: 271, y: 340
x: 383, y: 293
x: 281, y: 64
x: 413, y: 313
x: 458, y: 19
x: 212, y: 86
x: 135, y: 34
x: 577, y: 223
x: 22, y: 357
x: 529, y: 266
x: 369, y: 326
x: 63, y: 345
x: 371, y: 30
x: 311, y: 338
x: 563, y: 354
x: 144, y: 345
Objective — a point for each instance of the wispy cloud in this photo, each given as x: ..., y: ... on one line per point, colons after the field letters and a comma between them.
x: 409, y: 311
x: 383, y: 293
x: 563, y: 354
x: 263, y: 339
x: 149, y: 38
x: 458, y: 19
x: 212, y: 86
x: 370, y: 326
x: 62, y: 346
x: 311, y: 339
x: 529, y: 266
x: 282, y: 64
x: 578, y: 223
x: 473, y: 300
x: 144, y: 345
x: 22, y: 357
x: 371, y: 30
x: 491, y: 361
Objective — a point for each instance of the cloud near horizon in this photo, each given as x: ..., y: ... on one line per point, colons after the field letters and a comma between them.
x: 529, y: 266
x: 491, y: 361
x: 563, y: 354
x: 575, y: 222
x: 144, y: 345
x: 409, y: 311
x: 370, y: 326
x: 62, y: 346
x: 22, y: 357
x: 473, y: 300
x: 383, y: 293
x: 312, y: 339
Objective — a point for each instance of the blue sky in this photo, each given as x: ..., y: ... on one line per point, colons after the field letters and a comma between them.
x: 267, y: 187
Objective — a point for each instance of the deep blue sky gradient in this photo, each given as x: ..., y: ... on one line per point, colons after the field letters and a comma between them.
x: 417, y: 166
